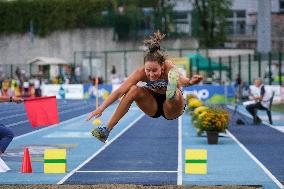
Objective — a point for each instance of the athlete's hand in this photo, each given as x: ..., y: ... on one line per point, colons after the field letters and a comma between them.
x: 195, y: 79
x: 97, y: 113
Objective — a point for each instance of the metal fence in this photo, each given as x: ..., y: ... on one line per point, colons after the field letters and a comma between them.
x: 268, y: 66
x: 8, y: 71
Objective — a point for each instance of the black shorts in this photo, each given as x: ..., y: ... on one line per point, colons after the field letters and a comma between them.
x: 160, y: 99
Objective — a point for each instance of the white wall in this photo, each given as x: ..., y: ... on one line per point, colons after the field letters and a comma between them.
x: 18, y: 49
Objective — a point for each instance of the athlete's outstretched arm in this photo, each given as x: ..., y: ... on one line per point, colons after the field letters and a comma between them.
x: 133, y: 79
x: 184, y: 81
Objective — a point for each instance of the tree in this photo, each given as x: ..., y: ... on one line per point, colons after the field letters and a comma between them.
x: 137, y: 18
x: 209, y: 21
x: 163, y: 15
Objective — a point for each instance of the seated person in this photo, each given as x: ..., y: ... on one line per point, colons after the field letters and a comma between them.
x: 260, y: 97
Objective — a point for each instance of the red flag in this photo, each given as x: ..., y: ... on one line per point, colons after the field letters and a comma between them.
x: 42, y: 111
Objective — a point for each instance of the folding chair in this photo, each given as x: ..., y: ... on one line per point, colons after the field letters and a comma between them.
x: 268, y: 110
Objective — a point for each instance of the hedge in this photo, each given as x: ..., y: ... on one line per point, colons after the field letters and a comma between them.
x: 47, y: 16
x: 51, y: 15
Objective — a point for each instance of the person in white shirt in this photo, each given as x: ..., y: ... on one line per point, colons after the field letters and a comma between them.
x: 260, y: 97
x: 37, y: 84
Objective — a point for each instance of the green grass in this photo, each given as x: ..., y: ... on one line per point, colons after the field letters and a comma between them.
x: 278, y: 108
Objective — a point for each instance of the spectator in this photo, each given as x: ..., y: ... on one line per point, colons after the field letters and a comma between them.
x: 37, y: 84
x: 6, y: 90
x: 26, y: 86
x: 18, y: 72
x: 241, y: 89
x: 260, y: 100
x: 114, y: 77
x: 78, y: 74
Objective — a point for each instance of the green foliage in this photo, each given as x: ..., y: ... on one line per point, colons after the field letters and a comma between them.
x: 53, y: 15
x: 209, y: 21
x: 135, y: 19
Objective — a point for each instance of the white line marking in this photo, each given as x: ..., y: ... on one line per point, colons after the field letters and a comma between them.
x: 77, y: 108
x: 99, y: 151
x: 17, y: 123
x: 21, y: 114
x: 62, y: 112
x: 126, y: 171
x: 12, y: 116
x: 49, y: 127
x: 279, y: 128
x: 269, y: 174
x: 52, y: 126
x: 179, y: 175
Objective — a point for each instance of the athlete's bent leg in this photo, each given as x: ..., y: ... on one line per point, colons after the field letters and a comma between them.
x: 173, y: 108
x: 143, y: 98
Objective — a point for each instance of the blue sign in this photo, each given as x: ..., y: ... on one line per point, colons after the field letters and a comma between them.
x: 103, y: 91
x: 211, y: 93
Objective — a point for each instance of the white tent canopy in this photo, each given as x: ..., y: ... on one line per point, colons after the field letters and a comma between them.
x: 47, y: 61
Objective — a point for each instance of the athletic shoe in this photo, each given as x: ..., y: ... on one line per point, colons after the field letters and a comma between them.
x: 172, y: 83
x: 101, y: 133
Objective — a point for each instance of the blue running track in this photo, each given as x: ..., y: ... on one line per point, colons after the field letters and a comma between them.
x: 263, y: 141
x: 146, y: 154
x: 141, y: 150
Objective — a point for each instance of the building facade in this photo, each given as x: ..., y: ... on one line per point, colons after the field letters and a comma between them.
x: 241, y: 23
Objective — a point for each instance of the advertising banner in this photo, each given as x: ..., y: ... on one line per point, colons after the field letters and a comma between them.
x: 71, y: 91
x: 182, y: 64
x: 211, y: 93
x: 282, y: 94
x: 103, y: 91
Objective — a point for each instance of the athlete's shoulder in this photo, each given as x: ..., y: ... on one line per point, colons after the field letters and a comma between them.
x: 169, y: 65
x: 140, y: 70
x: 138, y: 74
x: 169, y: 62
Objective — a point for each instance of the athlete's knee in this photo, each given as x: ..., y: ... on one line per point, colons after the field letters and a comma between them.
x: 133, y: 92
x: 173, y: 111
x: 171, y: 117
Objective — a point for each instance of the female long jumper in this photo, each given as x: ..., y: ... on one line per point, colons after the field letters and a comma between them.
x: 158, y: 95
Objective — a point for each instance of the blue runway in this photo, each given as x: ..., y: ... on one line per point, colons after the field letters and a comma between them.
x: 264, y: 142
x: 146, y: 154
x: 16, y: 119
x: 141, y: 150
x: 73, y: 134
x: 228, y: 164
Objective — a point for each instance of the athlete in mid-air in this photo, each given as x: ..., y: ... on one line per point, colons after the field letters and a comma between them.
x: 155, y: 87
